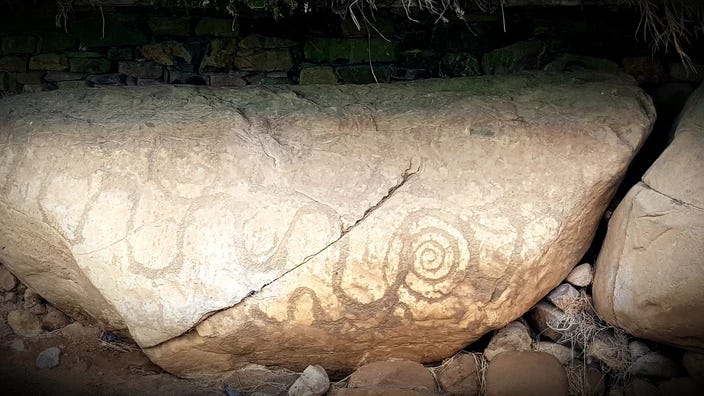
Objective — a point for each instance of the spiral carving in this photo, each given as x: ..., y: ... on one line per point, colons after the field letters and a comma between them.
x: 432, y: 252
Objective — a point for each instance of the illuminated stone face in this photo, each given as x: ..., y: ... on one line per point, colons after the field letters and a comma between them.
x: 297, y: 224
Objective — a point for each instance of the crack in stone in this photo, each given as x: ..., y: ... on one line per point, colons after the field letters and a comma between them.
x: 675, y: 200
x: 407, y: 174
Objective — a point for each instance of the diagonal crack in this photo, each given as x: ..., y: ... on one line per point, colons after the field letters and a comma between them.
x: 407, y: 174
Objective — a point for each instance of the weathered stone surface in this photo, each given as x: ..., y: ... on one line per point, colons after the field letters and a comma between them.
x: 169, y: 26
x: 218, y: 27
x: 318, y: 75
x: 637, y: 349
x: 582, y: 275
x: 24, y: 323
x: 460, y: 376
x: 267, y: 60
x: 55, y: 76
x: 514, y: 337
x: 48, y: 358
x: 693, y: 362
x: 54, y: 320
x: 72, y: 84
x: 16, y: 64
x: 522, y: 55
x: 256, y: 41
x: 544, y: 314
x: 268, y: 381
x: 563, y: 296
x: 657, y: 232
x: 167, y: 53
x: 402, y: 374
x: 562, y: 353
x: 526, y: 373
x: 310, y: 211
x: 7, y: 280
x: 654, y: 364
x: 57, y: 62
x: 104, y: 79
x: 18, y: 45
x: 225, y: 80
x: 571, y: 62
x: 220, y: 55
x: 351, y: 50
x: 313, y: 381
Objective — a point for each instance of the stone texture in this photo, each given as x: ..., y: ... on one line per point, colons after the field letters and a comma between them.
x: 654, y: 364
x: 149, y: 70
x: 637, y: 349
x: 562, y: 353
x: 542, y: 315
x: 57, y: 62
x: 313, y: 381
x: 522, y: 55
x: 267, y: 381
x: 572, y: 62
x: 350, y: 50
x: 104, y: 79
x: 55, y: 76
x: 220, y: 55
x: 54, y: 320
x: 48, y: 358
x: 459, y: 65
x: 72, y: 84
x: 256, y: 41
x: 399, y: 374
x: 16, y: 64
x: 693, y: 362
x: 18, y: 44
x: 266, y: 60
x: 460, y: 376
x: 240, y: 189
x: 318, y: 75
x: 582, y: 275
x: 225, y: 80
x: 167, y: 53
x: 563, y: 297
x: 526, y: 373
x: 218, y: 27
x: 514, y: 337
x: 24, y: 323
x: 7, y: 280
x: 657, y: 232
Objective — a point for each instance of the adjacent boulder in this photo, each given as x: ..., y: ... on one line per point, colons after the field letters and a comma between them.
x: 649, y: 274
x: 289, y: 225
x: 526, y: 373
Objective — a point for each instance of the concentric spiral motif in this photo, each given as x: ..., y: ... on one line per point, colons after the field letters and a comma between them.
x: 433, y: 252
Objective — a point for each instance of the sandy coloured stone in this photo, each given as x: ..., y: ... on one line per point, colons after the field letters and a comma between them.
x: 581, y: 276
x: 514, y: 337
x: 286, y: 223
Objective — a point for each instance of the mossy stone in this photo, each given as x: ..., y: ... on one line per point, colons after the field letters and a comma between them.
x: 19, y: 44
x: 56, y: 62
x: 318, y: 75
x: 522, y: 55
x: 277, y: 59
x: 57, y: 41
x: 364, y: 74
x: 167, y: 53
x: 89, y: 65
x: 217, y: 27
x: 350, y: 50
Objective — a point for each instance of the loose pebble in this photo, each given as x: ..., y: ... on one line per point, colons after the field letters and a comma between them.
x: 514, y: 337
x: 48, y: 358
x: 581, y: 276
x: 313, y: 381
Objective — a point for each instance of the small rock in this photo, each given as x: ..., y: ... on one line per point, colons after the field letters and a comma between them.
x: 401, y: 374
x: 654, y: 364
x: 17, y: 345
x: 48, y: 358
x: 24, y: 323
x: 38, y: 309
x: 693, y: 362
x: 10, y: 297
x: 563, y: 296
x: 7, y: 280
x: 514, y: 337
x: 313, y: 381
x: 679, y: 387
x: 610, y: 350
x: 581, y: 276
x: 525, y: 373
x: 31, y: 298
x: 561, y: 352
x: 542, y: 315
x: 640, y: 387
x: 637, y: 349
x: 460, y: 376
x: 54, y: 320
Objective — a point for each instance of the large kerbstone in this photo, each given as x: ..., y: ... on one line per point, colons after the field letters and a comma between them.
x: 290, y: 225
x: 649, y: 274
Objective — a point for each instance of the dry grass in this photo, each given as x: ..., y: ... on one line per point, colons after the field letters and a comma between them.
x: 480, y: 362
